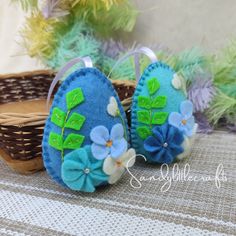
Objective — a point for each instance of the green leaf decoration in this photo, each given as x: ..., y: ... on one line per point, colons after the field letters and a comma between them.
x: 144, y: 102
x: 73, y: 141
x: 74, y: 98
x: 153, y: 85
x: 144, y: 132
x: 58, y: 117
x: 56, y: 141
x: 159, y: 118
x: 144, y: 117
x: 75, y: 121
x: 159, y: 102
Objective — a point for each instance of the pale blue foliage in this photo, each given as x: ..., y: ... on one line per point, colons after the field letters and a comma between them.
x: 78, y: 42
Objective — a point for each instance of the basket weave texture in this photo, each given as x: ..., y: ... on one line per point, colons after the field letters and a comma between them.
x: 21, y: 134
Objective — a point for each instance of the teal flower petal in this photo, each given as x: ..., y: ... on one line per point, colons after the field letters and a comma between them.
x: 79, y: 156
x: 98, y: 178
x: 76, y: 185
x: 84, y: 172
x: 89, y: 185
x: 75, y: 170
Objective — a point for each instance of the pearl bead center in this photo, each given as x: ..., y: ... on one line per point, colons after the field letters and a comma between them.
x: 86, y: 170
x: 165, y: 145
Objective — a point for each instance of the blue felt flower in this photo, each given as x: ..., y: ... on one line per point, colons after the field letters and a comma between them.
x: 81, y: 171
x: 105, y: 144
x: 165, y: 144
x: 184, y: 120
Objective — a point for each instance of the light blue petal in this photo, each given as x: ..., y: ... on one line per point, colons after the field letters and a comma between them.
x: 99, y: 135
x: 190, y: 123
x: 118, y: 148
x: 175, y: 119
x: 188, y: 132
x: 99, y: 152
x: 117, y: 132
x: 186, y: 109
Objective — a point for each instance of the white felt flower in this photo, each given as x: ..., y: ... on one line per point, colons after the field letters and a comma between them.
x: 116, y: 167
x: 176, y: 81
x: 112, y: 107
x: 187, y: 144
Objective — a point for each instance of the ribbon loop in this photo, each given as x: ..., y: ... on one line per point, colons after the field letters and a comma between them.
x: 143, y: 50
x: 85, y: 60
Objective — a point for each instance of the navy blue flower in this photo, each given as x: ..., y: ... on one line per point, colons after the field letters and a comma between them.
x: 165, y: 143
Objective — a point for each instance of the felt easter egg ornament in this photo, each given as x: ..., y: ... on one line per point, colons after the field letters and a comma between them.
x: 162, y: 125
x: 85, y: 142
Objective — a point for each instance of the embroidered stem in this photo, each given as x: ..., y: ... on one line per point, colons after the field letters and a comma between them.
x: 123, y: 124
x: 151, y: 115
x: 63, y: 131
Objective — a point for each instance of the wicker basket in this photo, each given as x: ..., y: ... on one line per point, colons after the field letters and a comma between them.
x: 21, y: 132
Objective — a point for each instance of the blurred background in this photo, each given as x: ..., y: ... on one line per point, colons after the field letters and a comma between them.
x: 178, y: 25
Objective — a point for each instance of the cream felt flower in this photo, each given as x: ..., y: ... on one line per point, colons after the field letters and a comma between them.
x: 179, y: 83
x: 112, y: 107
x: 187, y: 144
x: 115, y: 168
x: 176, y: 82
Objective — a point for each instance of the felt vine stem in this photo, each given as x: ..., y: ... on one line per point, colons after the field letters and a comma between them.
x: 68, y: 120
x: 150, y: 113
x: 63, y: 131
x: 123, y: 124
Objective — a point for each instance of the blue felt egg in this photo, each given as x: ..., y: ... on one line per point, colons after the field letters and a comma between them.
x: 158, y: 94
x: 79, y: 106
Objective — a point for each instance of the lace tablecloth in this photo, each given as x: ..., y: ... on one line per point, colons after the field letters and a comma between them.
x: 197, y: 204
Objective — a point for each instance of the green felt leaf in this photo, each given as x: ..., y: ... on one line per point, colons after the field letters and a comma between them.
x: 58, y: 117
x: 144, y: 132
x: 74, y: 98
x: 159, y: 118
x: 75, y: 121
x: 73, y: 141
x: 144, y: 117
x: 153, y: 85
x: 56, y: 141
x: 159, y: 102
x: 144, y: 102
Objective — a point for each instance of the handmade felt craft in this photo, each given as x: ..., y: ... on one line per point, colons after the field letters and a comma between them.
x: 86, y: 137
x: 162, y: 126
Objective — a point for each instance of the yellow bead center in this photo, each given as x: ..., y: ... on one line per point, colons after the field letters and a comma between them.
x: 118, y: 163
x: 109, y: 143
x: 184, y: 122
